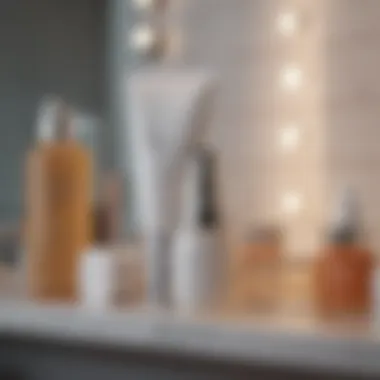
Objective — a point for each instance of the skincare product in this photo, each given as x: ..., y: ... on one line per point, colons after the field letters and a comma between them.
x: 58, y: 205
x: 100, y: 279
x: 344, y: 269
x: 198, y: 256
x: 257, y: 270
x: 168, y: 112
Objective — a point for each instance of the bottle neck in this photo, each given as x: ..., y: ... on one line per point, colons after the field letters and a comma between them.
x: 54, y: 121
x: 344, y: 236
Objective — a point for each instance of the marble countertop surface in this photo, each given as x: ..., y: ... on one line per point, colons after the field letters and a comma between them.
x: 299, y: 342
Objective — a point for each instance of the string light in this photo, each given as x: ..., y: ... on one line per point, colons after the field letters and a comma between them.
x: 291, y: 78
x: 142, y: 38
x: 291, y: 203
x: 143, y: 4
x: 289, y: 138
x: 288, y: 23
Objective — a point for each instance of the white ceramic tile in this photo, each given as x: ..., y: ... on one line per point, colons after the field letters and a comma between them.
x: 338, y: 107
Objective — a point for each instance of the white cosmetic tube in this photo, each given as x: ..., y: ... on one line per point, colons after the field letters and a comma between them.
x: 168, y: 113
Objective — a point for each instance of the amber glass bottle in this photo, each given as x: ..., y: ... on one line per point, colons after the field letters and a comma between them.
x: 343, y: 277
x: 257, y: 270
x: 58, y: 206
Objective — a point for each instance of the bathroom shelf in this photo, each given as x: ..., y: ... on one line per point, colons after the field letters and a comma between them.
x: 300, y: 343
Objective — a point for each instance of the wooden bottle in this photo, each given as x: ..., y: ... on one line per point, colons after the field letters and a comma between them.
x: 58, y: 206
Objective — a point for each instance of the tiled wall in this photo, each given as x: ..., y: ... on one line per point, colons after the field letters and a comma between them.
x: 337, y: 108
x: 235, y: 39
x: 34, y: 45
x: 239, y: 39
x: 353, y: 104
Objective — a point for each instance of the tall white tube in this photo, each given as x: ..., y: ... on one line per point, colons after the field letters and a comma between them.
x: 169, y: 112
x: 198, y: 256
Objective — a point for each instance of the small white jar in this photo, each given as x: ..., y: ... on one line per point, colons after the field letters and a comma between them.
x: 96, y: 278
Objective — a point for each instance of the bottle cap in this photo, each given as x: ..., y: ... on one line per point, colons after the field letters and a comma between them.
x: 53, y: 119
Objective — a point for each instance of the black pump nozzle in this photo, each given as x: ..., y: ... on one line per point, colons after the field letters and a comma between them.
x: 207, y: 214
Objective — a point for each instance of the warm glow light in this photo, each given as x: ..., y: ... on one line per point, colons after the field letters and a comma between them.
x: 291, y: 203
x: 142, y: 38
x: 143, y: 4
x: 287, y: 23
x: 289, y: 138
x: 291, y: 78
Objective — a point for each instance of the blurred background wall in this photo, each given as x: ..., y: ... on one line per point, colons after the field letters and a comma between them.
x: 78, y: 49
x: 336, y: 110
x: 46, y: 46
x: 353, y: 104
x: 261, y: 182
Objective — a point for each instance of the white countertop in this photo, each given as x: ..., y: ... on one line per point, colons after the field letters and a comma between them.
x: 276, y: 340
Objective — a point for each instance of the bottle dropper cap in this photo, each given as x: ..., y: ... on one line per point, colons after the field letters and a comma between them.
x: 345, y: 220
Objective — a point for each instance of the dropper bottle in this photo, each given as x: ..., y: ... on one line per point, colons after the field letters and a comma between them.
x: 344, y: 269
